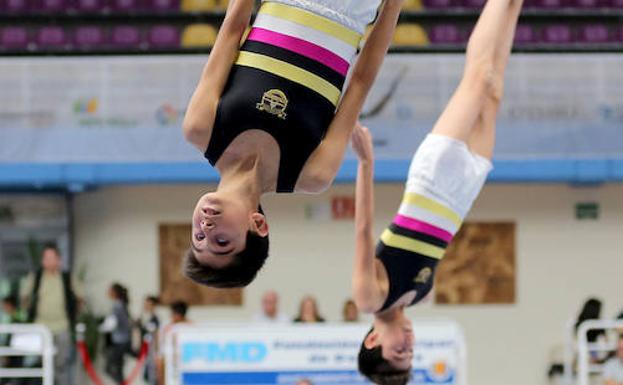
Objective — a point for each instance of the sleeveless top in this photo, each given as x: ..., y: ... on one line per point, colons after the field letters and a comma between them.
x: 287, y: 81
x: 412, y: 246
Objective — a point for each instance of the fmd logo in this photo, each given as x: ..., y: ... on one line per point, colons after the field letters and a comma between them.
x: 234, y: 352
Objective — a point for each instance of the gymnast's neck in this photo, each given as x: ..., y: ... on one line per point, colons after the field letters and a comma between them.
x: 244, y: 180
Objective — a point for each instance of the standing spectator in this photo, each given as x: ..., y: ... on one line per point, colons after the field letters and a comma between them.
x: 120, y: 328
x: 52, y: 300
x: 150, y: 323
x: 308, y: 311
x: 270, y: 310
x: 178, y: 316
x: 350, y: 313
x: 613, y: 369
x: 590, y: 311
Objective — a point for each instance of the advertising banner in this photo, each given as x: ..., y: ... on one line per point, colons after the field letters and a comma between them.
x: 286, y: 354
x: 130, y: 109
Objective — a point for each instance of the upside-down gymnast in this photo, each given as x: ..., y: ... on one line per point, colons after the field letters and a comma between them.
x: 271, y: 117
x: 445, y: 177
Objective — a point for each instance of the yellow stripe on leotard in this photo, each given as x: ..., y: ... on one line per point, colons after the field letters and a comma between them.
x: 311, y: 20
x: 413, y: 245
x: 290, y: 72
x: 430, y: 205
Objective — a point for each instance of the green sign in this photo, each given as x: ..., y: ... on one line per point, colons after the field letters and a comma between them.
x: 587, y: 211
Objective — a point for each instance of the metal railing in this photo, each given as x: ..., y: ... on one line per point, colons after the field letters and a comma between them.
x: 585, y: 367
x: 38, y: 343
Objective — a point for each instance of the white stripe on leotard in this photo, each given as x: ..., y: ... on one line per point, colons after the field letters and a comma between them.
x: 311, y: 35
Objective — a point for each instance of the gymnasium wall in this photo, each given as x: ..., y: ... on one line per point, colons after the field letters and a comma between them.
x: 560, y: 261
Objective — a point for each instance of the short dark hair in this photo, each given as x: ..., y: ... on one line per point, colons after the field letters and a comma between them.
x: 377, y: 369
x: 179, y: 307
x: 51, y: 246
x: 11, y: 300
x: 153, y: 299
x: 239, y: 273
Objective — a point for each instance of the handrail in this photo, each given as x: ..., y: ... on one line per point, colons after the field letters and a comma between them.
x: 46, y: 351
x: 584, y: 347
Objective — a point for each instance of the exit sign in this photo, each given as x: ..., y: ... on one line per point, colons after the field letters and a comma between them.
x: 587, y: 211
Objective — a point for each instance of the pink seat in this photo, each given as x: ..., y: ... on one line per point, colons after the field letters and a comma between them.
x: 594, y: 33
x: 126, y: 36
x: 91, y: 6
x: 14, y: 38
x: 51, y: 37
x: 15, y: 6
x: 558, y: 34
x: 163, y: 36
x: 526, y: 34
x: 89, y: 36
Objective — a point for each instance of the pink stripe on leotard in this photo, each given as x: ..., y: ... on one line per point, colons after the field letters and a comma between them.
x: 301, y: 47
x: 422, y: 227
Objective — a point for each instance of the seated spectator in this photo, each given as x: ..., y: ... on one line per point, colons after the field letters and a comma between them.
x: 350, y: 313
x: 613, y: 368
x: 308, y: 311
x: 270, y: 310
x: 11, y: 311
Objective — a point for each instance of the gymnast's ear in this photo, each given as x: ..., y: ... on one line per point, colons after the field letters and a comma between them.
x: 259, y: 224
x: 372, y: 340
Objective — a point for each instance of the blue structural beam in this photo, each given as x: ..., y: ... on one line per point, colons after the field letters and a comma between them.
x: 77, y: 177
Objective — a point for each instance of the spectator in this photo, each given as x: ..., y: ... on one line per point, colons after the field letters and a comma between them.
x: 270, y: 309
x: 308, y: 311
x: 119, y: 326
x: 11, y: 311
x: 149, y: 323
x: 350, y: 313
x: 178, y: 316
x: 52, y: 300
x: 590, y: 311
x: 613, y: 369
x: 304, y: 381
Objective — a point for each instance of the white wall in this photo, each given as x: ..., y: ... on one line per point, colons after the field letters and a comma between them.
x: 560, y: 262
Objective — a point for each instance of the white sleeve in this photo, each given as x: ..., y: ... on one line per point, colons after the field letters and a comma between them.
x: 109, y: 324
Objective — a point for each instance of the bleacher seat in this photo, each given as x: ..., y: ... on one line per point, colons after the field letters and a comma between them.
x: 594, y: 33
x: 163, y: 36
x: 552, y: 4
x: 412, y: 5
x: 51, y: 6
x: 410, y: 34
x: 89, y: 36
x: 90, y: 6
x: 15, y: 6
x: 617, y: 4
x: 439, y: 3
x: 14, y: 38
x: 199, y: 36
x: 125, y: 36
x: 162, y: 5
x: 558, y: 34
x: 51, y: 37
x: 445, y: 34
x: 126, y: 6
x: 474, y: 3
x: 590, y: 3
x: 526, y: 34
x: 199, y: 5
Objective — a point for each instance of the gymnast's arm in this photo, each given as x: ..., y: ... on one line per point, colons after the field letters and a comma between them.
x: 325, y: 161
x: 201, y: 110
x: 365, y: 284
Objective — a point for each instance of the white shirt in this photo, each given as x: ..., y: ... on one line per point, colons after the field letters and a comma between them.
x: 280, y: 318
x: 613, y: 370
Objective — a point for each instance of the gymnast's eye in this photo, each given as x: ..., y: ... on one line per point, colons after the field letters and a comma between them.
x: 200, y: 237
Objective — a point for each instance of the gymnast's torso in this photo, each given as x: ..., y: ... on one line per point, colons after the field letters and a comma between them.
x: 286, y: 82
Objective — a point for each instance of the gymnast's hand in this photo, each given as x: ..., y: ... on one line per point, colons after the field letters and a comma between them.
x: 362, y: 143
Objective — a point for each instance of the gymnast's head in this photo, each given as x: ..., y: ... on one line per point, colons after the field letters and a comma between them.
x: 229, y: 242
x: 386, y: 353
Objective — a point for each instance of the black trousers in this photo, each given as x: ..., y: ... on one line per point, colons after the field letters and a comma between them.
x: 115, y: 360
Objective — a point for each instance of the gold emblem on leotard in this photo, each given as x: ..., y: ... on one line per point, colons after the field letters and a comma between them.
x: 424, y: 275
x: 275, y: 103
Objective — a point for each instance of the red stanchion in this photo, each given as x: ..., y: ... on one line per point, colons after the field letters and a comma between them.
x: 88, y: 364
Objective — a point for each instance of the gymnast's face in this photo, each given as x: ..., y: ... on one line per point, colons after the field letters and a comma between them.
x: 396, y: 341
x: 220, y: 226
